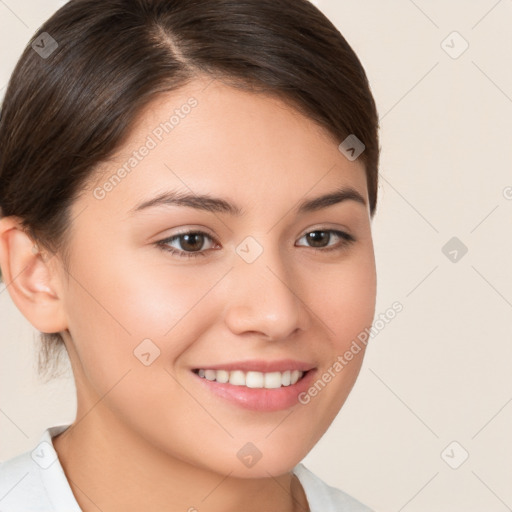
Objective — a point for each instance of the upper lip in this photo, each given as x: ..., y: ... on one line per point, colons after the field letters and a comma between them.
x: 260, y: 365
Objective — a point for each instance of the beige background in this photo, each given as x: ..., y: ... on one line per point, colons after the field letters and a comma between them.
x: 441, y: 370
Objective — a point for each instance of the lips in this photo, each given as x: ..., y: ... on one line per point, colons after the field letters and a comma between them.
x: 257, y: 385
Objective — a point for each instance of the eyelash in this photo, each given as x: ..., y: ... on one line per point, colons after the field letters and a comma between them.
x: 162, y: 244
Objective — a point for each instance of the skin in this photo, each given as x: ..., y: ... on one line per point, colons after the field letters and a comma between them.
x: 120, y: 288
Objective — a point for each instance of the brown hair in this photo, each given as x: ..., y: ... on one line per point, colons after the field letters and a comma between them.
x: 94, y: 65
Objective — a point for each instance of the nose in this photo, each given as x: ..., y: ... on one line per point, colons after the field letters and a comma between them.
x: 265, y: 298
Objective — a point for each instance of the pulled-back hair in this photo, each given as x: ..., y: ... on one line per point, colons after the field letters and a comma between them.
x: 91, y: 68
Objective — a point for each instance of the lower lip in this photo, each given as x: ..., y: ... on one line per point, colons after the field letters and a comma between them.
x: 260, y: 399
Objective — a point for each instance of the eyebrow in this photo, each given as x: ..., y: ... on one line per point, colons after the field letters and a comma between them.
x: 218, y: 205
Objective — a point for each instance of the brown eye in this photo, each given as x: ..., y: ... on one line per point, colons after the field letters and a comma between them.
x: 192, y: 242
x: 187, y: 244
x: 320, y: 239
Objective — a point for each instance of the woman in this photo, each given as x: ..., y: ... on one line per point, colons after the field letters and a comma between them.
x: 187, y: 191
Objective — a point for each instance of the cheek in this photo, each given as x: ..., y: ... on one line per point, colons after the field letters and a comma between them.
x: 346, y: 308
x: 115, y: 306
x: 347, y: 299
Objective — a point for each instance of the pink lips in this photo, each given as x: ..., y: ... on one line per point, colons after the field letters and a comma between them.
x: 260, y: 399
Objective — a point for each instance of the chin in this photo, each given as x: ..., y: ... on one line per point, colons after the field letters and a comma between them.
x: 270, y: 457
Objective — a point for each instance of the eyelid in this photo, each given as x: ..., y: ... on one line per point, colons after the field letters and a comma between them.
x: 191, y: 229
x: 324, y: 227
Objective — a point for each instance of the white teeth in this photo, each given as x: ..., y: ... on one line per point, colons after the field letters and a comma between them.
x: 210, y: 374
x: 271, y: 380
x: 222, y: 376
x: 237, y: 378
x: 254, y: 380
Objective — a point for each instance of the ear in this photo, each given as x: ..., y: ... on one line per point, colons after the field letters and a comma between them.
x: 31, y: 278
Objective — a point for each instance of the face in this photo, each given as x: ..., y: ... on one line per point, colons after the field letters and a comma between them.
x: 256, y: 284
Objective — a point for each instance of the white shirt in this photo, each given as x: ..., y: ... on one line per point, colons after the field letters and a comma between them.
x: 34, y: 481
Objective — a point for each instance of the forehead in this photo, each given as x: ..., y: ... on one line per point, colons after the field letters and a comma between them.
x: 211, y: 137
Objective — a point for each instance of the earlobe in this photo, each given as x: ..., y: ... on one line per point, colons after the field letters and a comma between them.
x: 29, y: 278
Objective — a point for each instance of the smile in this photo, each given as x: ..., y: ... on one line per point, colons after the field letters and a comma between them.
x: 252, y: 379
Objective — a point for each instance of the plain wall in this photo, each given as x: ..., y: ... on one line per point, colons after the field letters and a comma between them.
x: 440, y: 371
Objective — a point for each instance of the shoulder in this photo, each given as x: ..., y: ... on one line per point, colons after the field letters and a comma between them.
x: 34, y: 481
x: 21, y: 487
x: 323, y: 497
